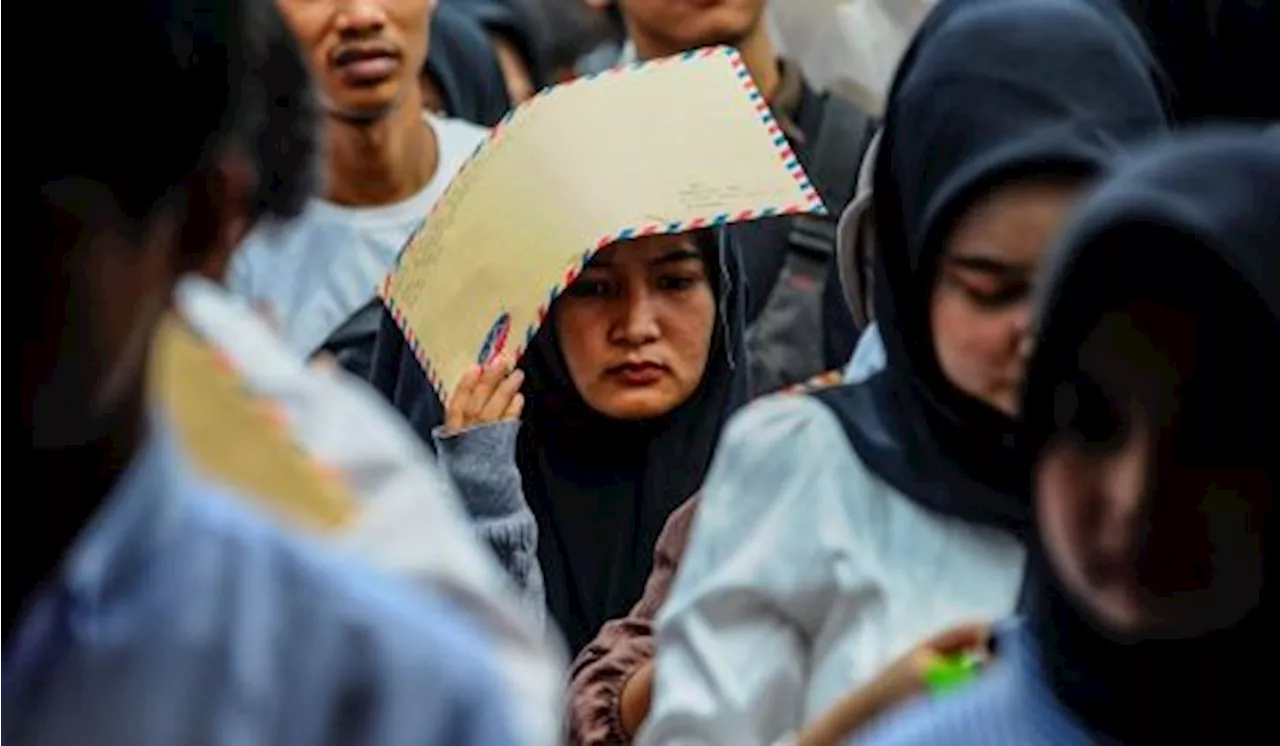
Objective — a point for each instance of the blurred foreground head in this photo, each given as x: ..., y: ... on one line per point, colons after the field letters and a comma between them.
x: 1151, y: 405
x: 173, y: 127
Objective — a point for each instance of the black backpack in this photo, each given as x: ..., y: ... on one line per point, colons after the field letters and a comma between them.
x: 805, y: 326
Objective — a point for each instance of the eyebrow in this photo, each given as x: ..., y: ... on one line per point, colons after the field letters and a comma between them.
x: 674, y: 256
x: 682, y: 254
x: 990, y: 265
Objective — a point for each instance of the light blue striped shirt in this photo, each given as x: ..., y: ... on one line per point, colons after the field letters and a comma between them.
x: 179, y: 618
x: 1011, y: 705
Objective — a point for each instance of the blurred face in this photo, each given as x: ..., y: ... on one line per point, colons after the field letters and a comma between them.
x: 981, y: 303
x: 635, y: 328
x: 664, y: 27
x: 365, y: 54
x: 102, y: 293
x: 1153, y: 537
x: 102, y: 290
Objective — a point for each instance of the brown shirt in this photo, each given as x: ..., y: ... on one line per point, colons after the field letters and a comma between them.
x: 624, y: 645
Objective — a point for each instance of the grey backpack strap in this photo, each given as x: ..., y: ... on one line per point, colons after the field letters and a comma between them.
x: 786, y: 343
x: 833, y: 168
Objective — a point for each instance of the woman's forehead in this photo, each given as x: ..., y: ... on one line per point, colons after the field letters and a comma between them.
x: 648, y: 250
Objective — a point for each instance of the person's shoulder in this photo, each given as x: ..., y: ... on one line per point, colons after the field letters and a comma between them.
x: 457, y: 136
x: 980, y: 714
x: 778, y: 445
x: 777, y: 420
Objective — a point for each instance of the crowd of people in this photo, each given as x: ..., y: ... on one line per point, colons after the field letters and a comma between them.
x: 1005, y: 411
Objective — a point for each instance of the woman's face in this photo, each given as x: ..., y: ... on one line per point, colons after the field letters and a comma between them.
x: 981, y: 303
x: 635, y: 327
x: 1154, y: 537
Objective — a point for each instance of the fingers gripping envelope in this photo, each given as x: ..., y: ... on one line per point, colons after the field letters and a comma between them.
x: 667, y: 146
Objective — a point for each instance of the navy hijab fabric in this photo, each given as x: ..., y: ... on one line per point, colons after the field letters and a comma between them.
x: 1204, y: 212
x: 463, y: 65
x: 990, y: 90
x: 1211, y: 52
x: 520, y: 21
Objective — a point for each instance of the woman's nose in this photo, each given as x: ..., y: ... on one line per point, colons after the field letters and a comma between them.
x: 639, y: 322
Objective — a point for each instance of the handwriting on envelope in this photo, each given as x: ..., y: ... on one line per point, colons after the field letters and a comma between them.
x: 663, y: 147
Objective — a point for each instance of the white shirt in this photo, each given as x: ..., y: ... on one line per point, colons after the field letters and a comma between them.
x: 804, y: 576
x: 313, y: 272
x: 412, y: 522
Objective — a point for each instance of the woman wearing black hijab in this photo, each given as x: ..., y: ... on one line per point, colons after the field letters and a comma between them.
x: 1150, y: 408
x: 837, y: 531
x: 624, y: 389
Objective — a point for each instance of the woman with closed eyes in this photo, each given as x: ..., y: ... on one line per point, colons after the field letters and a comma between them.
x: 836, y: 531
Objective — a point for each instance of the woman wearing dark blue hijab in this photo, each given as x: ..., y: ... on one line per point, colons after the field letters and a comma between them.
x: 836, y: 531
x: 1150, y: 413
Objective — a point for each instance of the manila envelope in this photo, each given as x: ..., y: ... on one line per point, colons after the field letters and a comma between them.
x: 667, y: 146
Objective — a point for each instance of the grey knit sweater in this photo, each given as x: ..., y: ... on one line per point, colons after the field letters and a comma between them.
x: 481, y: 462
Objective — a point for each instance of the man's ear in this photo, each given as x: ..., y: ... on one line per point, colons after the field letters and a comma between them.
x: 217, y: 215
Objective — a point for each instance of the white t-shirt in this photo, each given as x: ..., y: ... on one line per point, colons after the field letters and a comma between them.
x: 312, y: 273
x: 805, y: 575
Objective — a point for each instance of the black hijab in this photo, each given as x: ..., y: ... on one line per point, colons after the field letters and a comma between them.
x: 463, y: 65
x: 1209, y: 50
x: 602, y: 488
x: 989, y: 90
x: 1203, y: 212
x: 521, y: 21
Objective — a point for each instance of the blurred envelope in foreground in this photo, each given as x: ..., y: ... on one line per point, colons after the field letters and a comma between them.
x: 667, y: 146
x: 238, y: 439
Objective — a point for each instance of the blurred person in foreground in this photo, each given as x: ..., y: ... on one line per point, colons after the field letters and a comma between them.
x: 838, y: 530
x: 1150, y: 409
x: 151, y: 608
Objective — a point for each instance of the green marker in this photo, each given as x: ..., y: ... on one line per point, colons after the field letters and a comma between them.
x: 949, y: 673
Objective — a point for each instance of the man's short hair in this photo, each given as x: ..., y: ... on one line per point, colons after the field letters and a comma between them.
x: 156, y: 89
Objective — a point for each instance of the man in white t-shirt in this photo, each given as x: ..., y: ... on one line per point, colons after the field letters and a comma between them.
x: 386, y: 165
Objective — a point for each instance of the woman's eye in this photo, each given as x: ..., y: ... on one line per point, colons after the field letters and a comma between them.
x: 588, y: 288
x: 999, y: 296
x: 1083, y: 412
x: 676, y: 282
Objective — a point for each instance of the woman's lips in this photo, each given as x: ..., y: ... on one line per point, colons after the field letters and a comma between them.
x: 638, y: 374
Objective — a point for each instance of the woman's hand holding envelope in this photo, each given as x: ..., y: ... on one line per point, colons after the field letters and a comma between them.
x: 485, y: 394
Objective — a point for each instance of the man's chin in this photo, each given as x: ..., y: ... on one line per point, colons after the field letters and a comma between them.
x: 361, y: 109
x: 717, y: 28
